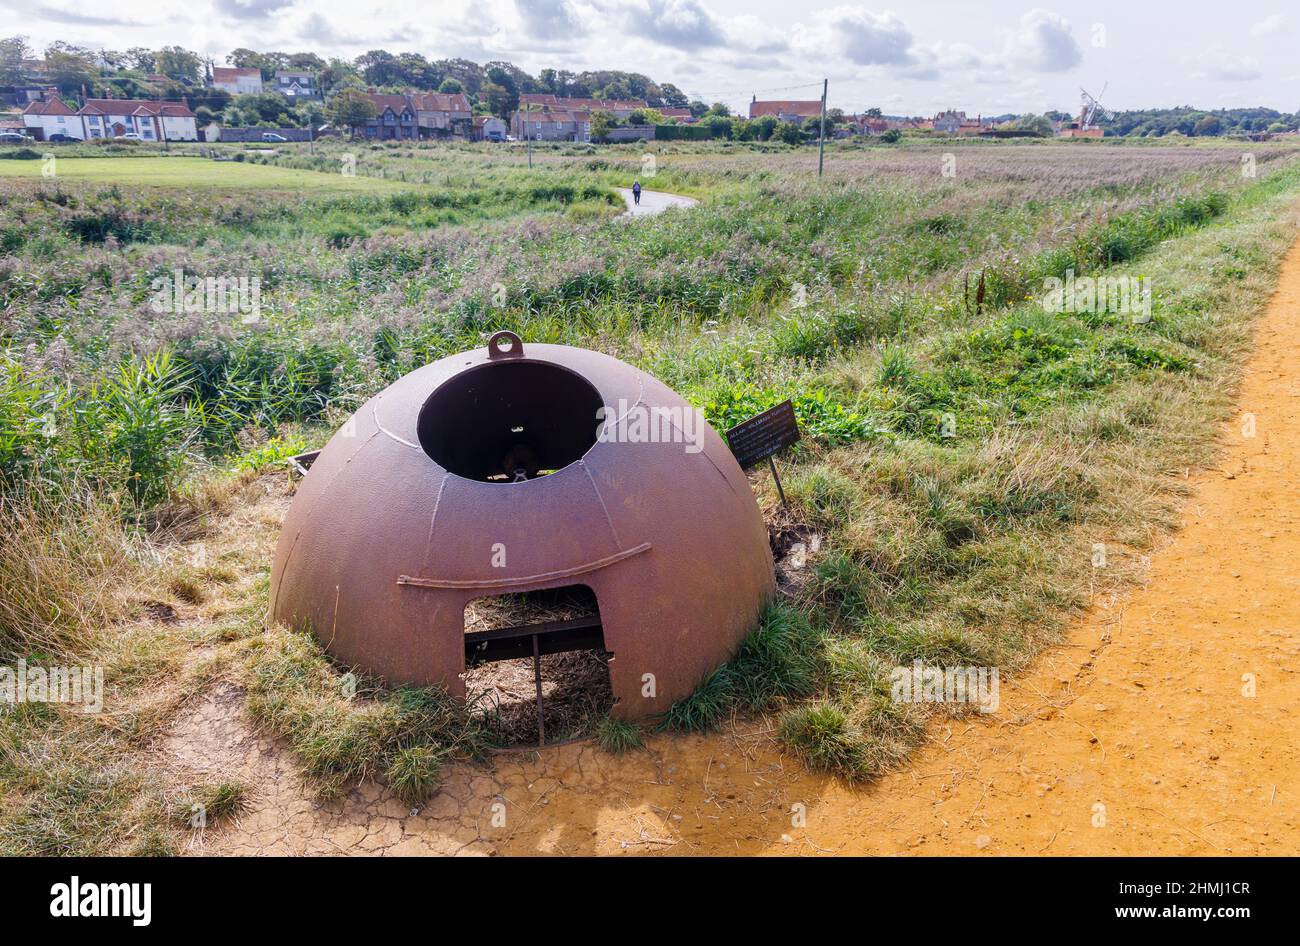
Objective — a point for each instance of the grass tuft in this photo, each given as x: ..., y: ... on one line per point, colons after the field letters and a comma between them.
x: 617, y: 737
x: 776, y: 661
x: 824, y: 737
x: 414, y: 773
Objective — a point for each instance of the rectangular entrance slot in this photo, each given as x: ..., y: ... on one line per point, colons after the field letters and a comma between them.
x: 535, y: 664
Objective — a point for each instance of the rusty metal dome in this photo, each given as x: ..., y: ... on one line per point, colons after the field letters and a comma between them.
x: 516, y: 469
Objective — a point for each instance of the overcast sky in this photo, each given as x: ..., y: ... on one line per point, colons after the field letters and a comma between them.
x: 988, y: 56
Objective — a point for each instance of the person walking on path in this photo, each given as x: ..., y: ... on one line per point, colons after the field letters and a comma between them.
x: 636, y: 192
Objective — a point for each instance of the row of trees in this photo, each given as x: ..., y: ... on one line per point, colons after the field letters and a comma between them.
x: 716, y: 121
x: 1194, y: 122
x: 492, y: 87
x: 70, y: 68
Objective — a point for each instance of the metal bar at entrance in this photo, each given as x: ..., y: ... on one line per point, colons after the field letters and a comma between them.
x: 521, y: 641
x: 537, y: 681
x: 553, y: 637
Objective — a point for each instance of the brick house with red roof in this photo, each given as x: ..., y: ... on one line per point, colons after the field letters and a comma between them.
x: 680, y: 115
x: 442, y: 114
x: 552, y: 124
x: 395, y: 119
x: 110, y: 118
x: 786, y: 110
x: 619, y: 108
x: 413, y: 115
x: 152, y: 121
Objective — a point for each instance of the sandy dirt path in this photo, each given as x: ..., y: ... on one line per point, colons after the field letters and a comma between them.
x: 1166, y: 723
x: 652, y: 202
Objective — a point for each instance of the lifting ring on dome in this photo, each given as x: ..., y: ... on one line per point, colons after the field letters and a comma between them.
x: 515, y: 348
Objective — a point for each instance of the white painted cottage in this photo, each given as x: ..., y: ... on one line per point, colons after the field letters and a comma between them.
x: 152, y: 121
x: 51, y: 116
x: 237, y: 81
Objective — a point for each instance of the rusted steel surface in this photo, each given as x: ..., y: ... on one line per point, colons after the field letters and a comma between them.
x: 398, y: 525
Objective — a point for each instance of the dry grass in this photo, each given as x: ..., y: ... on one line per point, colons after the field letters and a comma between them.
x: 95, y: 783
x: 66, y: 570
x: 344, y: 729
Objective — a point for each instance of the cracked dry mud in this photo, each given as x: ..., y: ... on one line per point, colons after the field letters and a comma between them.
x: 1141, y: 711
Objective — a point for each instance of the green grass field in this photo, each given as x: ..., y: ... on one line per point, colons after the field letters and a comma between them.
x: 195, y: 173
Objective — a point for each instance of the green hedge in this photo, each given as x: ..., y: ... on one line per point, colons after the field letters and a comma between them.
x: 681, y: 133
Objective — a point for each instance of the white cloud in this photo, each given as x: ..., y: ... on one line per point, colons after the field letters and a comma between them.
x: 680, y: 24
x: 76, y: 18
x: 1217, y: 63
x: 870, y: 39
x: 935, y: 59
x: 249, y: 9
x: 854, y: 34
x: 550, y: 19
x: 317, y: 29
x: 1269, y: 26
x: 755, y: 35
x: 1044, y: 42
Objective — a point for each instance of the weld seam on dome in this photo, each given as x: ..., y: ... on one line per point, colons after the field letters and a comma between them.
x: 471, y: 583
x: 674, y: 425
x: 339, y: 472
x: 406, y: 443
x: 603, y: 508
x: 287, y: 559
x: 730, y: 485
x: 433, y: 519
x: 640, y: 395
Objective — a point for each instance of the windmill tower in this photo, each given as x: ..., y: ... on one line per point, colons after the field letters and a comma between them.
x: 1090, y: 109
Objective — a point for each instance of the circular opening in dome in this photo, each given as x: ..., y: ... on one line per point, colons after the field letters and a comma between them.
x: 509, y: 421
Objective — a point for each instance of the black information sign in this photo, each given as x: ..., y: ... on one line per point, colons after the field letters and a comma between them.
x: 763, y: 435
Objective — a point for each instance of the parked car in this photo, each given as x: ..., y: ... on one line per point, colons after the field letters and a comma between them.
x: 59, y: 136
x: 272, y: 138
x: 130, y: 136
x: 13, y: 138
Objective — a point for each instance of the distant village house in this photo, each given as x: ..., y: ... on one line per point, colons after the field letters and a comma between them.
x: 680, y: 115
x: 552, y: 124
x: 490, y: 128
x: 956, y: 123
x: 786, y: 110
x: 237, y: 81
x: 297, y: 86
x: 547, y: 117
x: 110, y: 118
x: 417, y: 115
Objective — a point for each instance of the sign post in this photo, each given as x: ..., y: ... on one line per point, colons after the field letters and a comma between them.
x: 821, y: 138
x: 763, y: 436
